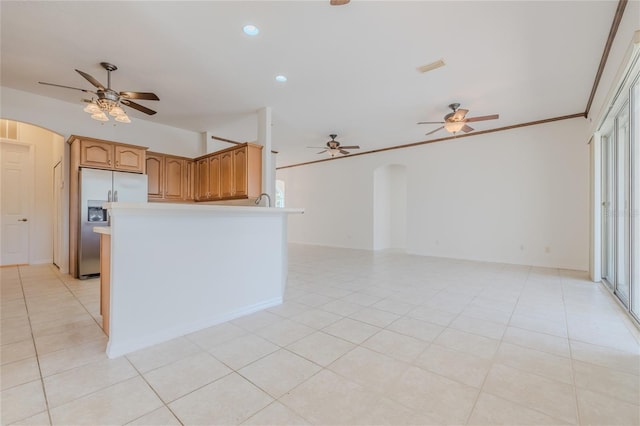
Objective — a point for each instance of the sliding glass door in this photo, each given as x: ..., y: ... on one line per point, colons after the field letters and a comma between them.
x: 635, y: 199
x: 622, y: 205
x: 620, y: 194
x: 608, y: 204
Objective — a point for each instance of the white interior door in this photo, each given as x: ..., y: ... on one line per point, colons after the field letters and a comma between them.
x: 15, y: 187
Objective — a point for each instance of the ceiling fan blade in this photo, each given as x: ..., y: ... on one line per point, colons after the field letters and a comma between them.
x: 459, y: 114
x: 339, y: 2
x: 351, y: 147
x: 91, y: 80
x: 140, y: 95
x: 67, y: 87
x: 433, y: 131
x: 482, y: 118
x: 431, y: 122
x: 322, y: 152
x: 342, y: 151
x: 137, y: 106
x: 467, y: 129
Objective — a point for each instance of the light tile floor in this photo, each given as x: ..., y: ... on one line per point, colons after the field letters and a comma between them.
x: 362, y: 338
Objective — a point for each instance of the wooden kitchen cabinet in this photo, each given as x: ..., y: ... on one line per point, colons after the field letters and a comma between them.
x: 233, y: 173
x: 96, y: 154
x: 174, y: 188
x: 240, y: 172
x: 226, y: 175
x: 190, y: 180
x: 169, y: 177
x: 155, y: 175
x: 208, y: 178
x: 202, y: 179
x: 214, y: 178
x: 99, y: 154
x: 129, y: 158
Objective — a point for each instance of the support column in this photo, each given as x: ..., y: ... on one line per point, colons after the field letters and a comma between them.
x: 268, y: 165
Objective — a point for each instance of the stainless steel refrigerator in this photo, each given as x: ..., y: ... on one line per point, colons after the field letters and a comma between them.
x: 96, y: 188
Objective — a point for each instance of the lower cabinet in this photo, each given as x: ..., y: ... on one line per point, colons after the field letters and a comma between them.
x: 170, y: 177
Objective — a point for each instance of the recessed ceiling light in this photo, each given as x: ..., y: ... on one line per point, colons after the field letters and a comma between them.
x: 281, y: 79
x: 251, y: 30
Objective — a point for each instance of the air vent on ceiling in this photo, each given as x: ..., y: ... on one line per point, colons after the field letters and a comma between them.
x: 432, y: 66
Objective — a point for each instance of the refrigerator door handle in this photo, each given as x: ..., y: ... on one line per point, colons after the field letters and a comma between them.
x: 115, y: 196
x: 109, y: 196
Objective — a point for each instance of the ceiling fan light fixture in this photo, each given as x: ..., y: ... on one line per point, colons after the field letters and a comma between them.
x: 100, y: 116
x: 92, y: 108
x: 116, y: 111
x: 123, y: 118
x: 454, y: 126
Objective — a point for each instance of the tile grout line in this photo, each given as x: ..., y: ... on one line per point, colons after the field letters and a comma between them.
x: 493, y: 358
x: 573, y: 374
x: 35, y: 348
x: 156, y: 393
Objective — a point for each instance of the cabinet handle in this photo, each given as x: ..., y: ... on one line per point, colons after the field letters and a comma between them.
x: 24, y: 219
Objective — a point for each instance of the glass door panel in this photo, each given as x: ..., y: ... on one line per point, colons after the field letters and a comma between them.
x: 608, y: 219
x: 622, y: 216
x: 635, y: 200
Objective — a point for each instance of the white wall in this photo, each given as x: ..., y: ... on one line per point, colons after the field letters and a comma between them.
x: 519, y: 196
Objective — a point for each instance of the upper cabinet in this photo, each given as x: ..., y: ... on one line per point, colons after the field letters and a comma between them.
x: 155, y: 175
x: 112, y: 156
x: 170, y: 177
x: 233, y: 173
x: 129, y: 159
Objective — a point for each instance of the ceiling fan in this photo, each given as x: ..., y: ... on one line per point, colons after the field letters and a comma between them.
x: 456, y: 120
x: 334, y: 148
x: 108, y: 100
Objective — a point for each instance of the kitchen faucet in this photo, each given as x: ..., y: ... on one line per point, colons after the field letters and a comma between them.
x: 260, y: 199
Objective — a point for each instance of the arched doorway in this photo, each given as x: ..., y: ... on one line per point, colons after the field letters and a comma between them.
x: 390, y: 207
x: 40, y: 230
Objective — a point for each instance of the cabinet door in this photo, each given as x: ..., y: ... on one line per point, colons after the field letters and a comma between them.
x: 214, y: 177
x: 173, y: 172
x: 155, y: 175
x: 129, y: 159
x: 202, y: 179
x: 189, y: 180
x: 226, y: 174
x: 96, y: 154
x: 240, y: 172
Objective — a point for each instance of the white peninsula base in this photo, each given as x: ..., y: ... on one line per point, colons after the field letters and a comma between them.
x: 178, y: 268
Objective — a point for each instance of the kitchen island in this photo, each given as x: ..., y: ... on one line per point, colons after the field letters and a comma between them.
x: 177, y: 268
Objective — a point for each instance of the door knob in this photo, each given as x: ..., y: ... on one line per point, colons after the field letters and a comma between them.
x: 24, y: 219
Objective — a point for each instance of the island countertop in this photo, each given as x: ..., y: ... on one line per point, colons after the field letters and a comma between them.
x: 201, y: 208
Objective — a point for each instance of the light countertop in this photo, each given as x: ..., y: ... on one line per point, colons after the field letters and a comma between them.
x: 194, y: 207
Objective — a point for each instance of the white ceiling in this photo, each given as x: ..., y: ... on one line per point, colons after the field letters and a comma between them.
x: 351, y: 69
